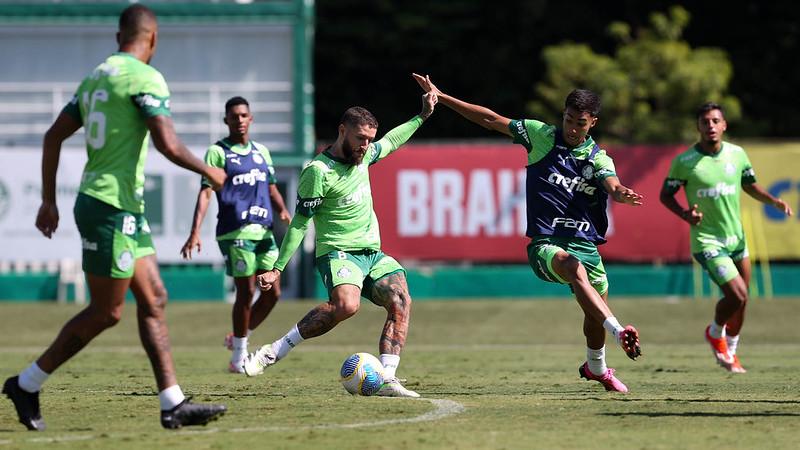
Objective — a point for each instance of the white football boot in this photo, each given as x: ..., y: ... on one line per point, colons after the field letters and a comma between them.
x: 391, y: 387
x: 255, y: 363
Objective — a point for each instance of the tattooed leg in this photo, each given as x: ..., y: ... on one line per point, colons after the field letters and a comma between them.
x: 343, y: 303
x: 104, y: 311
x: 151, y: 299
x: 391, y: 292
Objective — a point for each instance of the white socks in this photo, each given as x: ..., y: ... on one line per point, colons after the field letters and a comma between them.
x: 596, y: 360
x: 32, y: 378
x: 716, y: 331
x: 733, y: 342
x: 390, y: 363
x: 239, y: 350
x: 170, y: 397
x: 282, y: 346
x: 612, y: 326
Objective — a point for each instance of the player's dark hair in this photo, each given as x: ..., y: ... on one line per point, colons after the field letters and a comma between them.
x: 135, y: 19
x: 234, y: 101
x: 583, y: 101
x: 358, y: 116
x: 709, y: 106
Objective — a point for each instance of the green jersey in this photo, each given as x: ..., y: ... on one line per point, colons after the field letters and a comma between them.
x: 112, y: 104
x: 714, y: 184
x: 337, y: 196
x: 215, y: 157
x: 538, y: 138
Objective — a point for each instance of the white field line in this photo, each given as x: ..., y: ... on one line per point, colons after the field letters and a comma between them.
x: 444, y: 408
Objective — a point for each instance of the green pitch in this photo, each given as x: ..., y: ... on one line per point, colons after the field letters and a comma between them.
x: 493, y: 374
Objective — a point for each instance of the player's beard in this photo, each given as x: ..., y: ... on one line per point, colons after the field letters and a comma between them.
x: 350, y: 155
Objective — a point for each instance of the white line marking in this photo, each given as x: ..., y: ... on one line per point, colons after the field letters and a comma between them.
x: 444, y: 408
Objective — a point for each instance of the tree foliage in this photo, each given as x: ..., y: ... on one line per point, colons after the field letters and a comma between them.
x: 651, y: 85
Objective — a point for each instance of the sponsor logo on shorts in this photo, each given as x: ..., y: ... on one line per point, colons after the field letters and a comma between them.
x: 125, y: 260
x: 88, y: 245
x: 344, y: 272
x: 544, y: 272
x: 598, y: 280
x: 241, y: 265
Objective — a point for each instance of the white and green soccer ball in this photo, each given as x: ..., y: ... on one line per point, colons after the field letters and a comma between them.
x: 362, y: 374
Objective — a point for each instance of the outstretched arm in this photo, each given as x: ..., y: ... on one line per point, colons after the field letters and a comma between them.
x: 758, y: 193
x: 481, y: 115
x: 620, y: 193
x: 167, y: 142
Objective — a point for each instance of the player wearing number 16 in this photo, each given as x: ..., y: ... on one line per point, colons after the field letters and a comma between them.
x: 120, y: 104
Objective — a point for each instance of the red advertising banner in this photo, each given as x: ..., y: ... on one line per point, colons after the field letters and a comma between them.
x: 466, y: 202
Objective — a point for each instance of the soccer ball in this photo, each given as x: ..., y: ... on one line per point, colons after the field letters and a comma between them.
x: 362, y: 374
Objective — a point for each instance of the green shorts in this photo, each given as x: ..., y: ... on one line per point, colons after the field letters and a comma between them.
x: 362, y: 268
x: 719, y: 262
x: 542, y: 249
x: 244, y: 256
x: 112, y: 239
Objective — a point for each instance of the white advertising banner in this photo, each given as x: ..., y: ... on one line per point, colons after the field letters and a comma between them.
x: 170, y: 197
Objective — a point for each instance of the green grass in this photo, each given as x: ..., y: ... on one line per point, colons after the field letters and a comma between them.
x: 493, y: 374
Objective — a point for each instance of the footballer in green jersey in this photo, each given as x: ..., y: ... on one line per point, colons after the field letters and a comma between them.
x: 120, y: 104
x: 335, y: 193
x: 558, y: 160
x: 713, y: 174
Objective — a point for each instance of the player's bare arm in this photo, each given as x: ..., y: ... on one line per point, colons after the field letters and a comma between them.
x: 267, y: 279
x: 167, y: 142
x: 200, y: 209
x: 481, y: 115
x: 429, y: 101
x: 691, y: 216
x: 757, y: 192
x: 277, y: 203
x: 620, y: 193
x: 64, y: 127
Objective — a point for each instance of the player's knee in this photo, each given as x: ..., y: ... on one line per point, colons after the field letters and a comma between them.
x: 399, y: 299
x: 346, y: 309
x: 106, y: 318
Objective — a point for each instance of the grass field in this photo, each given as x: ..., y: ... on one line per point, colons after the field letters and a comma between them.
x: 492, y: 374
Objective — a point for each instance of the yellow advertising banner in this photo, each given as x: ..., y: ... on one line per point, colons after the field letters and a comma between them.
x: 771, y: 234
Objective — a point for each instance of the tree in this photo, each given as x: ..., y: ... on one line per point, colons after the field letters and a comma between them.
x: 649, y: 88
